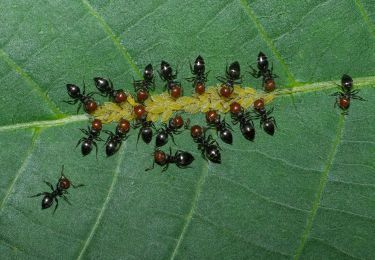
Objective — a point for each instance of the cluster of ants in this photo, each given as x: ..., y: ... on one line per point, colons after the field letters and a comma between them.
x: 206, y: 144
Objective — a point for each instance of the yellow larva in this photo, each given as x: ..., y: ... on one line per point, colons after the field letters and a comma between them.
x: 161, y: 107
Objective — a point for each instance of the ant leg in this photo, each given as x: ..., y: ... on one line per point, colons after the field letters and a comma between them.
x: 57, y: 204
x: 80, y: 141
x: 221, y: 79
x: 62, y: 171
x: 85, y: 131
x: 171, y: 135
x: 336, y: 94
x: 77, y: 186
x: 39, y: 194
x: 66, y: 199
x: 71, y: 102
x: 139, y: 134
x: 270, y: 111
x: 84, y: 88
x: 165, y: 167
x: 358, y: 98
x: 150, y: 168
x: 96, y: 150
x: 256, y: 74
x: 79, y: 107
x: 50, y: 185
x: 161, y: 76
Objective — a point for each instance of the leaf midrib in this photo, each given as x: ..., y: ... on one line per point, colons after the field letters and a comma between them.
x: 362, y: 82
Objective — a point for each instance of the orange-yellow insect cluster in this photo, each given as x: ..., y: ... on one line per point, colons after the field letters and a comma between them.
x: 160, y: 107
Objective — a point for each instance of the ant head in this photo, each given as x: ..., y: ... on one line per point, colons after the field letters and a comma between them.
x: 160, y: 157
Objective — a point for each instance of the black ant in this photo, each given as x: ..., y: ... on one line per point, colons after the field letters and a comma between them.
x: 200, y: 77
x: 246, y: 123
x: 343, y: 97
x: 166, y: 74
x: 142, y: 87
x: 266, y: 121
x: 146, y: 129
x: 106, y: 89
x: 115, y: 140
x: 232, y: 76
x: 92, y: 135
x: 209, y: 147
x: 61, y: 189
x: 268, y: 81
x: 172, y: 128
x: 88, y: 102
x: 222, y: 128
x: 182, y: 159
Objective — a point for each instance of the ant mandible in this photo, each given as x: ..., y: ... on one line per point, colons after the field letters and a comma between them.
x: 209, y: 147
x: 222, y: 128
x: 61, y: 189
x: 239, y: 115
x: 142, y: 87
x: 88, y: 102
x: 172, y: 128
x: 115, y: 140
x: 232, y: 76
x: 343, y: 97
x: 200, y: 76
x: 106, y: 89
x: 92, y: 135
x: 182, y: 159
x: 268, y: 81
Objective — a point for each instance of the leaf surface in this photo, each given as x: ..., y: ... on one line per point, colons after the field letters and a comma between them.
x: 307, y: 192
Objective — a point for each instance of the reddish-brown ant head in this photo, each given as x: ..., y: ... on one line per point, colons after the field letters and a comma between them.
x: 200, y: 88
x: 211, y: 116
x: 120, y: 96
x: 142, y: 95
x: 90, y: 106
x: 235, y: 107
x: 269, y: 85
x: 97, y: 125
x: 160, y: 157
x: 139, y: 111
x: 259, y: 104
x: 344, y: 103
x: 196, y: 131
x: 176, y: 91
x: 178, y: 122
x: 226, y: 91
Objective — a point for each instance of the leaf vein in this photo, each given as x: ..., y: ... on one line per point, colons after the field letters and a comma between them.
x: 35, y: 86
x: 34, y: 138
x: 262, y: 197
x: 266, y: 38
x: 235, y: 235
x: 321, y: 187
x: 104, y: 207
x: 188, y: 218
x: 116, y: 41
x: 365, y: 16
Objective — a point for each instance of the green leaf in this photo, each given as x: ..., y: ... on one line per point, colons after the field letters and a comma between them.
x: 307, y: 192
